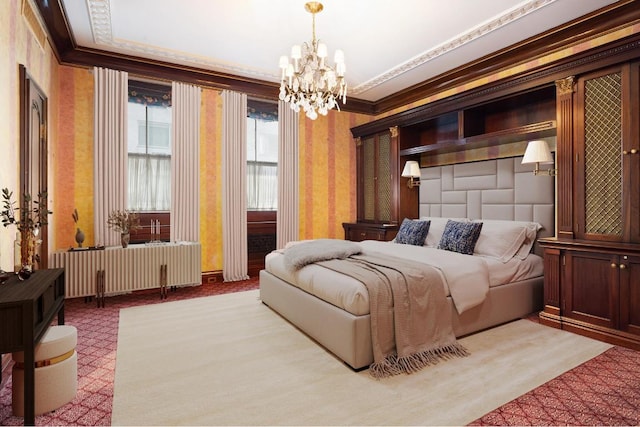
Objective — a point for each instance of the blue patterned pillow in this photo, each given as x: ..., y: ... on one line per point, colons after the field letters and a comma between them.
x: 460, y: 236
x: 412, y: 232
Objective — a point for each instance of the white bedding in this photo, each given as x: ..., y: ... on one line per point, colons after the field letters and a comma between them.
x: 467, y: 277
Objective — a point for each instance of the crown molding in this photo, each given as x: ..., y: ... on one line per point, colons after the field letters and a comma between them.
x: 579, y: 30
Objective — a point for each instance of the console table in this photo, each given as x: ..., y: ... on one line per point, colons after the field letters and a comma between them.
x: 117, y: 270
x: 27, y: 308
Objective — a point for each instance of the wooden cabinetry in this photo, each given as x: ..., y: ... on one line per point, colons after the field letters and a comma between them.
x: 383, y: 198
x: 592, y: 270
x: 357, y: 232
x: 377, y: 176
x: 517, y: 117
x: 385, y: 145
x: 593, y: 288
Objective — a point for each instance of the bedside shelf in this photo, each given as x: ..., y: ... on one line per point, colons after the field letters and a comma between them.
x: 527, y: 132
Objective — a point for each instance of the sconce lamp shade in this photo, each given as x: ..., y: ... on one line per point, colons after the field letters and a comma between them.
x: 411, y: 170
x: 537, y: 152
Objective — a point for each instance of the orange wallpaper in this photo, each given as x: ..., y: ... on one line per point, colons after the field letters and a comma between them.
x: 211, y: 180
x: 327, y: 174
x: 72, y: 163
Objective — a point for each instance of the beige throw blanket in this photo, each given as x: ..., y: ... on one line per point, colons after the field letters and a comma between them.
x: 410, y: 318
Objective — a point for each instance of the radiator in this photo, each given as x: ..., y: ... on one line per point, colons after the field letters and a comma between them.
x: 121, y: 270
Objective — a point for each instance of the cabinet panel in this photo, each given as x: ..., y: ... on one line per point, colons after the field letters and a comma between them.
x: 602, y: 97
x: 599, y: 284
x: 383, y: 178
x: 367, y: 162
x: 631, y: 156
x: 592, y: 291
x: 552, y: 278
x: 607, y: 147
x: 630, y: 294
x: 377, y: 157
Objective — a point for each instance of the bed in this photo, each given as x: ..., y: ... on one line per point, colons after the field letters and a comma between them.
x: 333, y: 309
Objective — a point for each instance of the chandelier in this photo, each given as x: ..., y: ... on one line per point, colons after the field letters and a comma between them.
x: 308, y: 82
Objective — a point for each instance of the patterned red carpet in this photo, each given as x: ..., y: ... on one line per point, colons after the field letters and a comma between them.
x: 602, y: 391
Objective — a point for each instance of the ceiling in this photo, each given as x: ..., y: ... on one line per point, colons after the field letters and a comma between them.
x: 389, y: 46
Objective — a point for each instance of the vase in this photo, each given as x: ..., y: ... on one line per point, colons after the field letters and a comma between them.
x: 25, y: 272
x: 27, y: 253
x: 27, y: 248
x: 79, y: 237
x: 124, y: 239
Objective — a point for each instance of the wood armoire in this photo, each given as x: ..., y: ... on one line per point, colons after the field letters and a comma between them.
x: 592, y: 267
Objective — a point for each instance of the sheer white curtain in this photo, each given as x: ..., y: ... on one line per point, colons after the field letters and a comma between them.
x: 149, y: 182
x: 263, y: 194
x: 185, y: 164
x: 234, y: 186
x: 287, y: 218
x: 110, y: 150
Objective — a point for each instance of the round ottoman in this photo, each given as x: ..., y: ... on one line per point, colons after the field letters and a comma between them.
x: 56, y: 374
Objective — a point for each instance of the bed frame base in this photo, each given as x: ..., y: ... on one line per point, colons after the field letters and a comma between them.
x: 349, y: 337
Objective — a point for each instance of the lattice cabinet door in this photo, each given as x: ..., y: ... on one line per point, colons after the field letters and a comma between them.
x: 607, y: 156
x: 377, y: 155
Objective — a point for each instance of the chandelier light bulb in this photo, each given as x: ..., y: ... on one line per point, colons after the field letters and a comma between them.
x: 308, y: 82
x: 296, y: 52
x: 322, y: 50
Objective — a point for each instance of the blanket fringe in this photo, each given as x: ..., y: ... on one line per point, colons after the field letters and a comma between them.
x: 394, y: 364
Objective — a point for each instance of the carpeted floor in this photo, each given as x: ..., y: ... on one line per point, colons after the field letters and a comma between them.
x: 602, y: 391
x: 97, y: 343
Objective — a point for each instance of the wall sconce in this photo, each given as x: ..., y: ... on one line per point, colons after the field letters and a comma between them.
x: 538, y: 152
x: 412, y: 171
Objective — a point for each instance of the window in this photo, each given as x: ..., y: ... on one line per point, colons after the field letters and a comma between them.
x: 149, y: 147
x: 262, y: 156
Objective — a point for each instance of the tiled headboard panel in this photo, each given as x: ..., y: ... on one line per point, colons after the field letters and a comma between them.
x: 490, y: 189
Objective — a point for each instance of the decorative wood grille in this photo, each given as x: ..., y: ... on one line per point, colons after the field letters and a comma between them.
x: 384, y: 177
x: 369, y: 185
x: 603, y: 158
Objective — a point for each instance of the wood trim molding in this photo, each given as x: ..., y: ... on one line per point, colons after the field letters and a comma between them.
x: 590, y: 26
x: 565, y: 98
x: 616, y: 52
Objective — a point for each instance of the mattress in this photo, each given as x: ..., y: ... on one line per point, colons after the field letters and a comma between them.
x: 352, y: 296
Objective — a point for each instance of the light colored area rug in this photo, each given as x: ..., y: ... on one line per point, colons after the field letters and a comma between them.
x: 230, y: 360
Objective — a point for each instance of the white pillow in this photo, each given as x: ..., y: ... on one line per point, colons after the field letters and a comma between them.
x: 532, y: 233
x: 437, y: 228
x: 502, y: 240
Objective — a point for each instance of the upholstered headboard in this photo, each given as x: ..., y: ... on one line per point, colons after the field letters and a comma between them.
x: 491, y: 189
